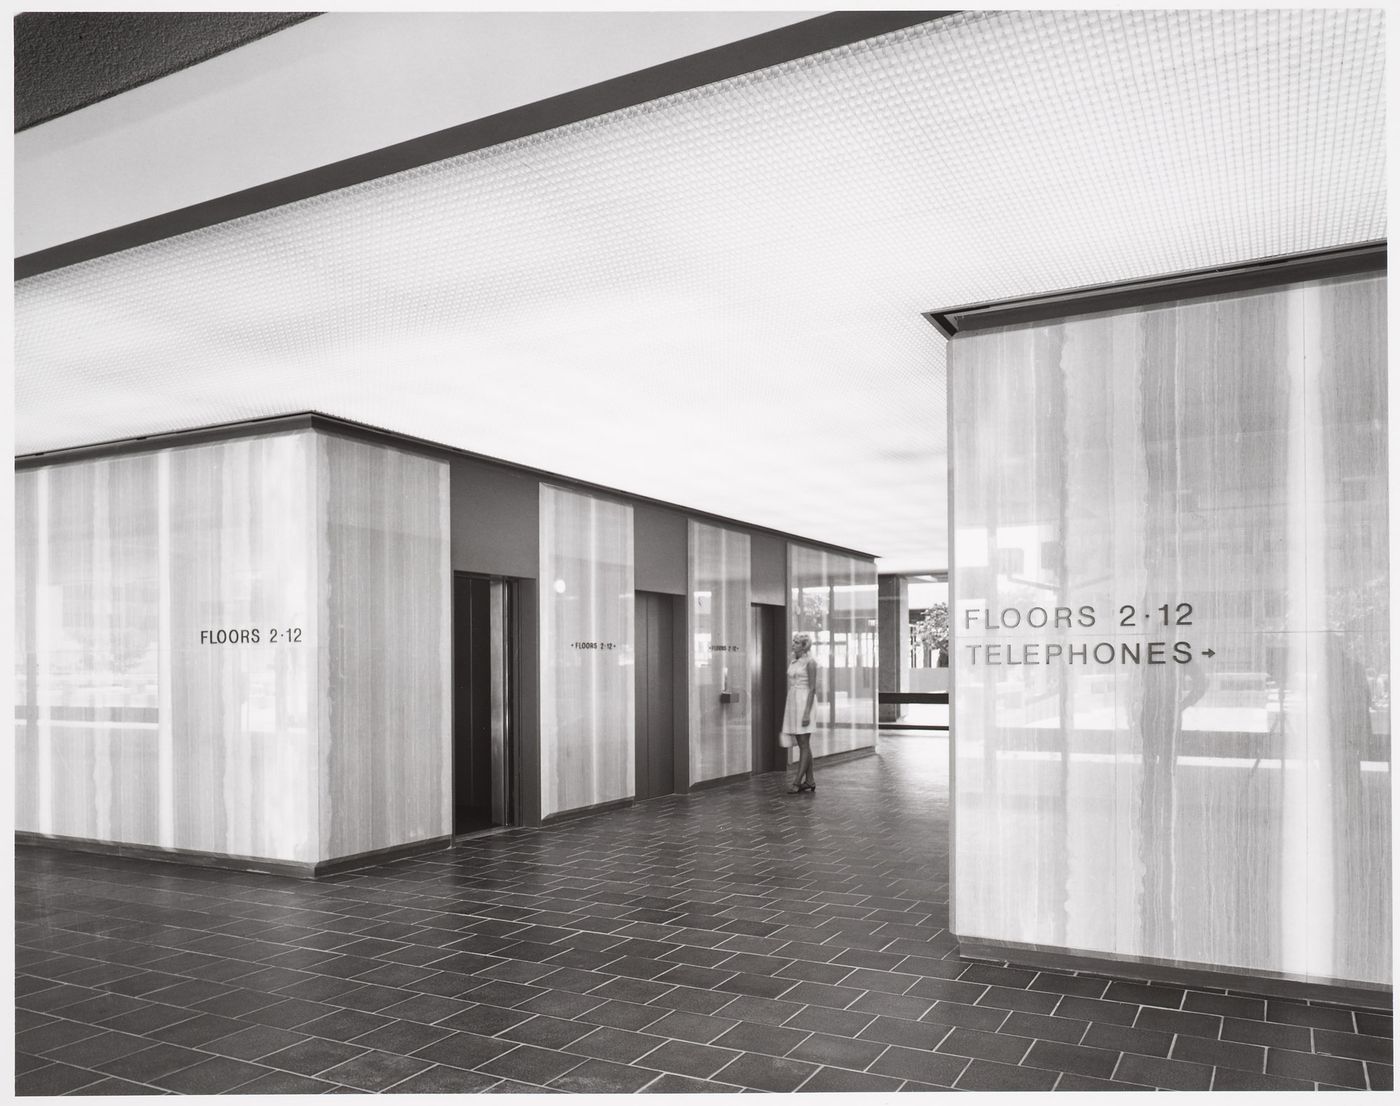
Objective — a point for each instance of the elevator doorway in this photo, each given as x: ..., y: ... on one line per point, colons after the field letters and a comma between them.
x: 483, y: 692
x: 768, y: 674
x: 655, y: 653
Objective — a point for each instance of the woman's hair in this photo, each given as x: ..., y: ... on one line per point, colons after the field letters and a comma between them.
x: 804, y: 639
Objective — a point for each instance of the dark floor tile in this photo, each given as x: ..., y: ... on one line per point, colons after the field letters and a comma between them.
x: 1019, y: 978
x: 1229, y: 1006
x: 604, y: 1077
x: 1271, y: 1034
x: 682, y: 1026
x: 111, y: 1085
x: 254, y: 1042
x: 926, y: 1067
x: 1316, y: 1017
x: 57, y: 1034
x: 562, y: 1004
x: 402, y: 1037
x: 837, y: 1051
x: 1084, y: 986
x: 343, y: 1025
x: 286, y: 1082
x: 1376, y: 1025
x: 217, y: 1075
x: 1221, y: 1054
x: 970, y: 1017
x: 621, y: 1015
x: 1145, y: 994
x: 1381, y: 1076
x: 1171, y: 1075
x: 288, y: 1014
x: 766, y: 1073
x: 311, y: 1056
x: 684, y: 1084
x: 1178, y: 1021
x: 627, y: 990
x: 1079, y: 1059
x: 823, y: 1019
x: 1032, y: 1002
x: 693, y: 1000
x: 1357, y: 1046
x: 54, y: 1079
x: 900, y: 1031
x: 688, y: 1058
x: 375, y: 1070
x: 840, y: 1080
x: 531, y: 1064
x: 1097, y: 1010
x: 1121, y: 1038
x: 767, y: 1039
x: 465, y: 1050
x: 99, y: 1049
x: 144, y: 1066
x: 815, y: 971
x: 976, y: 1044
x: 1229, y: 1079
x: 823, y: 994
x: 1071, y: 1082
x: 951, y: 990
x: 1045, y: 1026
x: 619, y: 1045
x: 986, y: 1075
x: 546, y: 1032
x: 427, y: 1009
x: 440, y: 1079
x: 1336, y: 1070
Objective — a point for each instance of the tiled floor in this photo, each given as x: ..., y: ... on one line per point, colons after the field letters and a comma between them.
x: 738, y: 938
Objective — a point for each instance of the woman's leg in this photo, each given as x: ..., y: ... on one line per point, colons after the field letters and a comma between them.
x: 804, y: 766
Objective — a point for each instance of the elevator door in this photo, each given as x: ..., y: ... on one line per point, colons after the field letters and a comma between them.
x: 482, y: 756
x: 768, y: 670
x: 656, y: 694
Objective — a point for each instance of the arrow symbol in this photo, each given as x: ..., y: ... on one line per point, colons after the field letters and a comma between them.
x: 1207, y: 652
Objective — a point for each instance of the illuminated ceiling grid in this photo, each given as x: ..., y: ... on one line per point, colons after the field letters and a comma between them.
x: 713, y: 299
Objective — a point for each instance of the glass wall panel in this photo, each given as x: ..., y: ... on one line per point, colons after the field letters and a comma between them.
x: 721, y: 737
x: 1171, y: 714
x: 834, y: 598
x: 587, y: 726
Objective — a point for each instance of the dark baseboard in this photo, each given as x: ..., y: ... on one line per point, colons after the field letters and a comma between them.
x: 198, y: 859
x: 1147, y: 969
x: 586, y: 811
x: 705, y: 785
x: 845, y: 755
x: 925, y: 727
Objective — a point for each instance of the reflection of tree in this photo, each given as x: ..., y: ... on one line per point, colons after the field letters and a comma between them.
x: 931, y: 631
x: 814, y: 609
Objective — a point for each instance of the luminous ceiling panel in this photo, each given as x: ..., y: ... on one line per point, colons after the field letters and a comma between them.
x: 714, y: 299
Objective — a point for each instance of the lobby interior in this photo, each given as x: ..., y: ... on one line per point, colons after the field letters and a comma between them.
x: 430, y: 428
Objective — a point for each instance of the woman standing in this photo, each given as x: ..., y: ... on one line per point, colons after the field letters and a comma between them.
x: 797, y: 716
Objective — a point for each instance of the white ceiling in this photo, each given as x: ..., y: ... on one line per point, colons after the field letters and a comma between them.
x: 713, y: 299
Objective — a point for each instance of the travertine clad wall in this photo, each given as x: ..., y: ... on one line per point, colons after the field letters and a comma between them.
x: 721, y: 736
x: 190, y: 627
x: 834, y: 598
x: 587, y: 724
x: 385, y: 680
x: 1170, y: 598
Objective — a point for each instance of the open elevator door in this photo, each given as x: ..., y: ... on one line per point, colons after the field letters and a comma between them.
x: 483, y: 749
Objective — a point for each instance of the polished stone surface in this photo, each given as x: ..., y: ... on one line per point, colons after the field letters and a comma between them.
x: 736, y: 938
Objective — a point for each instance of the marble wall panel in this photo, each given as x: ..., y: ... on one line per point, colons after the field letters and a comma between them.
x: 385, y: 679
x: 834, y: 598
x: 587, y: 670
x: 1208, y: 476
x: 721, y: 736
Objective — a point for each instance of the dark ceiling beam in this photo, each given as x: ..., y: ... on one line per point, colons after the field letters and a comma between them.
x: 811, y: 36
x: 65, y: 61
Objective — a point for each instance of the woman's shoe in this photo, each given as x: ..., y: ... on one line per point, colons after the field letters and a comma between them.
x: 796, y: 790
x: 808, y: 787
